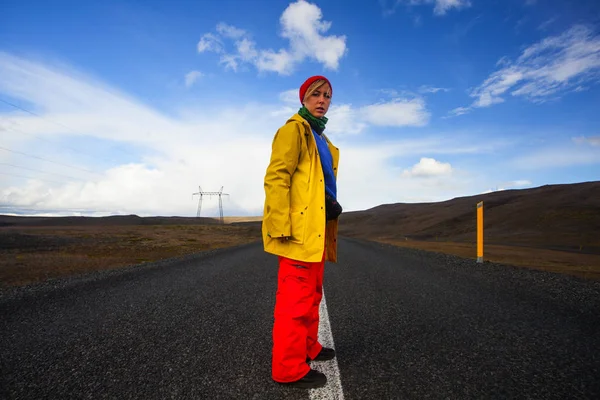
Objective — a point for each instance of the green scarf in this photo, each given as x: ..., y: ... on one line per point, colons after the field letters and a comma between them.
x: 318, y: 124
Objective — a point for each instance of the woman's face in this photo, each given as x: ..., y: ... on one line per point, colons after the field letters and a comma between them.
x: 318, y: 102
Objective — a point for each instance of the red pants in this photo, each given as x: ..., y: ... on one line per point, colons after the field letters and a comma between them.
x: 296, y: 327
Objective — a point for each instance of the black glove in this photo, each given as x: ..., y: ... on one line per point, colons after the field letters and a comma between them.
x: 332, y: 207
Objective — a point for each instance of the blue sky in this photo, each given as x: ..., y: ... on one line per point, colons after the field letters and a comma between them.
x: 138, y: 103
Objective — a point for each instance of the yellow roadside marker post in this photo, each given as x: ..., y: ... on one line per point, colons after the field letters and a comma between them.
x: 480, y: 232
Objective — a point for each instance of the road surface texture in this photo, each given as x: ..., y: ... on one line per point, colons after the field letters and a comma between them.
x: 406, y: 324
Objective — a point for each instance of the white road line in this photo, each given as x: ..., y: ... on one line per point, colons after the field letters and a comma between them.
x: 333, y: 390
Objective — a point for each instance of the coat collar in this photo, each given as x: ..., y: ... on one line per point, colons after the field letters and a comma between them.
x: 296, y: 117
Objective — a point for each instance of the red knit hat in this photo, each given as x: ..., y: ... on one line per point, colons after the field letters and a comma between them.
x: 309, y: 82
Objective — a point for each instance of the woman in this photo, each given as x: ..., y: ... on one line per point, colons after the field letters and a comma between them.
x: 300, y: 226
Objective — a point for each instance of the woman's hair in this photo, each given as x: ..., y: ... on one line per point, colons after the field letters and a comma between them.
x: 313, y: 87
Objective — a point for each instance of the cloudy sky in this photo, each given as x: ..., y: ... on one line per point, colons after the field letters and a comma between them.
x: 127, y: 107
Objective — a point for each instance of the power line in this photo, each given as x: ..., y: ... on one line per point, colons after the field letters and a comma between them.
x: 11, y: 129
x: 30, y: 177
x: 32, y: 113
x: 51, y: 121
x: 54, y: 162
x: 43, y: 172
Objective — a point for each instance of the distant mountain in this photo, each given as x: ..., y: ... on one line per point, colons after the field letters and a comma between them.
x: 113, y: 220
x: 561, y: 217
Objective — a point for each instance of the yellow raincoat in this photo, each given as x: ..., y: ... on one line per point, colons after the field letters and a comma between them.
x: 295, y: 196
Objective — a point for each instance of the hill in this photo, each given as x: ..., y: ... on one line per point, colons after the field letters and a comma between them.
x: 560, y: 217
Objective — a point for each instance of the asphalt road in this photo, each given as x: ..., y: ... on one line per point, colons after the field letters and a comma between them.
x: 406, y: 324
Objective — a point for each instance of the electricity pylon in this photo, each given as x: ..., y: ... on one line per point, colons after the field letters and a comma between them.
x: 219, y: 193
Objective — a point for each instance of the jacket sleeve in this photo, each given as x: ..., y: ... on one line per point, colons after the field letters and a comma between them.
x: 284, y: 160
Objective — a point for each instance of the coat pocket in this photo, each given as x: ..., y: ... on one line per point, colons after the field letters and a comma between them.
x: 298, y: 220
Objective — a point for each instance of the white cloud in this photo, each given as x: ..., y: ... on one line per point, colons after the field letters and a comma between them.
x: 497, y: 189
x: 229, y: 31
x: 281, y: 62
x: 489, y: 93
x: 459, y: 111
x: 427, y: 167
x: 246, y: 50
x: 210, y: 42
x: 509, y: 185
x: 432, y: 89
x: 291, y: 96
x: 441, y: 7
x: 398, y: 112
x: 543, y: 70
x: 192, y: 77
x: 592, y: 140
x: 344, y: 120
x: 230, y: 62
x: 302, y: 25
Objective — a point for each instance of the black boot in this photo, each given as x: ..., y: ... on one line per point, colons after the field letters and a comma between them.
x: 325, y: 354
x: 313, y: 379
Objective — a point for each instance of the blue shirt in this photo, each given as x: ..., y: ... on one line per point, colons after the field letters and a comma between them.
x: 327, y: 164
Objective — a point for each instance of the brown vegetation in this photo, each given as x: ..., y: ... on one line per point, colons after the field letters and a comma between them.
x: 567, y: 262
x: 33, y: 253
